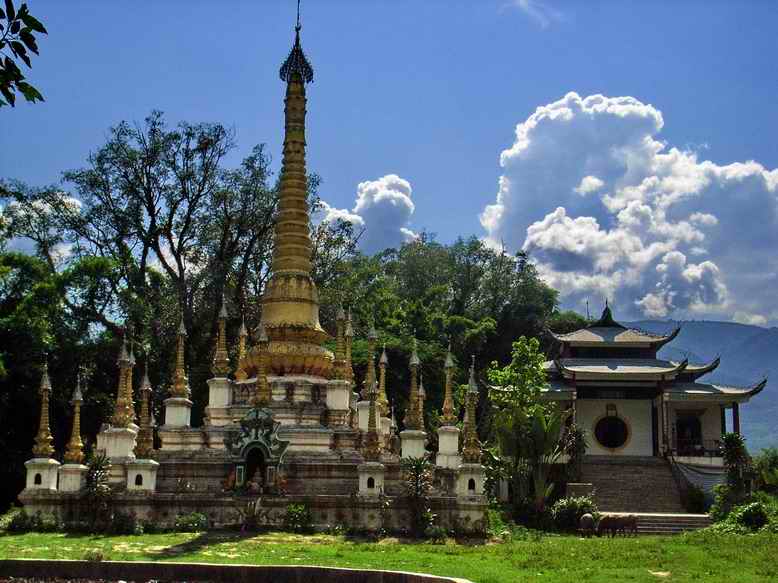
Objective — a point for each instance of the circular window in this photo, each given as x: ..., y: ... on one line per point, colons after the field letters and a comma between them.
x: 611, y: 432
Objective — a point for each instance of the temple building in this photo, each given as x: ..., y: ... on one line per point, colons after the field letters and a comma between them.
x: 644, y: 416
x: 284, y: 424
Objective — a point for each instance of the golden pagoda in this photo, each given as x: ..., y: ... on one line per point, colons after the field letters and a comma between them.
x: 290, y: 305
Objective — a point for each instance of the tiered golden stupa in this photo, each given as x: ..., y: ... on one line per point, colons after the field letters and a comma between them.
x: 290, y: 306
x: 284, y: 425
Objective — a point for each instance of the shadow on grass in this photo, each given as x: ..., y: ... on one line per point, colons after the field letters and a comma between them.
x: 201, y: 542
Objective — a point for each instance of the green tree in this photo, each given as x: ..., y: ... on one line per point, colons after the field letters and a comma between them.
x: 17, y: 40
x: 526, y: 429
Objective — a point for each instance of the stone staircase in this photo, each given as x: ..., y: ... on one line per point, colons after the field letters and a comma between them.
x: 658, y: 523
x: 632, y: 484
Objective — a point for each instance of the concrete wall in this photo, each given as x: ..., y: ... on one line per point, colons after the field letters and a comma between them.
x: 636, y: 413
x: 153, y: 571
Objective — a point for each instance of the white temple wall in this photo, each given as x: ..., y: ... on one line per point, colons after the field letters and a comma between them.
x: 637, y: 415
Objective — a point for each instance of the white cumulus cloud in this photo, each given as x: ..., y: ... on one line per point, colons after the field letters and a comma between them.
x: 382, y: 211
x: 607, y: 209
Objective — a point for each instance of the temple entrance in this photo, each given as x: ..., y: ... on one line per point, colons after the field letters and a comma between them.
x: 611, y: 432
x: 256, y: 466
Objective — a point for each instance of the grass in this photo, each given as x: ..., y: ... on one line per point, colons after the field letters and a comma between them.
x: 701, y: 556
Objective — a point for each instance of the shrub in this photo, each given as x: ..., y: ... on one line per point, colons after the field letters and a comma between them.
x: 567, y: 512
x: 125, y: 523
x: 16, y: 520
x: 752, y: 516
x: 99, y: 496
x: 437, y: 534
x: 94, y: 555
x: 418, y: 485
x: 298, y: 518
x: 192, y: 522
x: 694, y: 500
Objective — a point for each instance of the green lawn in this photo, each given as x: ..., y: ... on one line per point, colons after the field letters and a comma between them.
x: 694, y: 557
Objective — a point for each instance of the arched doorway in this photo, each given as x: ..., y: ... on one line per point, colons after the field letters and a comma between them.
x: 256, y: 466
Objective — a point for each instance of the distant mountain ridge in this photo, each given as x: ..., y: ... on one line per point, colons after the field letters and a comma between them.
x: 748, y: 354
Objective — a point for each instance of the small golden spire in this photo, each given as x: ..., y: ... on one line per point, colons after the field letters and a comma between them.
x: 471, y: 452
x: 221, y: 358
x: 240, y: 372
x: 449, y: 417
x: 349, y: 336
x: 413, y: 421
x: 422, y: 398
x: 145, y: 441
x: 123, y: 412
x: 383, y: 402
x: 180, y: 380
x: 370, y: 377
x: 262, y: 393
x: 340, y: 345
x: 372, y: 444
x: 44, y: 439
x: 74, y: 454
x: 128, y: 385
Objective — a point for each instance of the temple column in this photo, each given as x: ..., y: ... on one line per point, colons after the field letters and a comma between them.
x: 667, y: 446
x: 723, y: 412
x: 736, y: 417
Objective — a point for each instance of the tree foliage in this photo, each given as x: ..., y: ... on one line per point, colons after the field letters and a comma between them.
x: 17, y: 40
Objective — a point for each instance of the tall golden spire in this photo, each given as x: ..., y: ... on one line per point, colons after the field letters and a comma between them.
x: 74, y: 454
x: 290, y: 305
x: 123, y: 412
x: 449, y: 417
x: 221, y: 358
x: 471, y: 450
x: 412, y: 418
x: 42, y: 447
x: 180, y: 381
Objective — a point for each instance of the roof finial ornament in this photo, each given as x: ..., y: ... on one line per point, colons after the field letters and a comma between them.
x: 296, y: 63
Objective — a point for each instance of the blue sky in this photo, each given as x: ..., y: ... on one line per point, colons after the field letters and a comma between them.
x: 432, y: 92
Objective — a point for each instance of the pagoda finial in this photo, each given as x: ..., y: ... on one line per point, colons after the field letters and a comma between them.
x: 296, y: 63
